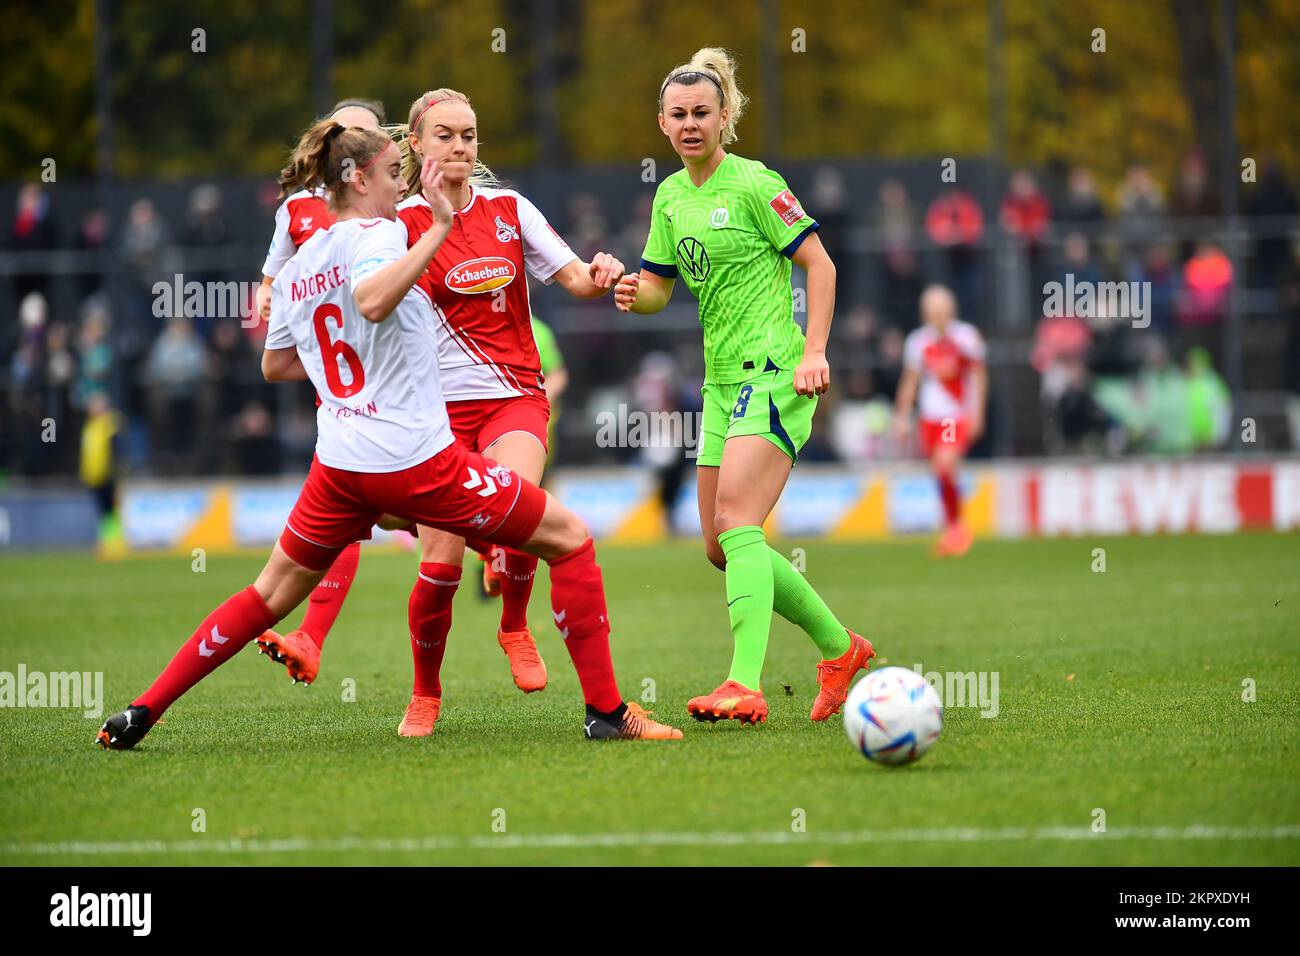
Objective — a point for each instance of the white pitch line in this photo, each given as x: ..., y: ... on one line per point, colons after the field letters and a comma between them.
x: 602, y: 840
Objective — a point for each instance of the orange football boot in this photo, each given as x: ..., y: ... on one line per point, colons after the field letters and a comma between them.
x: 421, y: 715
x: 636, y: 725
x: 834, y: 677
x: 731, y: 701
x: 526, y: 665
x: 954, y: 542
x: 295, y: 650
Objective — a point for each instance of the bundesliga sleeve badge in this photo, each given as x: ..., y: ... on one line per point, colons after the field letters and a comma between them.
x: 787, y: 207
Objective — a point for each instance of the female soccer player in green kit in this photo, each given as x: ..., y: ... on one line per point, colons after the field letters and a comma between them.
x: 729, y: 228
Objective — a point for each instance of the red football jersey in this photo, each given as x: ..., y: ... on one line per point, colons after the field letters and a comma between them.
x: 479, y: 288
x: 296, y: 221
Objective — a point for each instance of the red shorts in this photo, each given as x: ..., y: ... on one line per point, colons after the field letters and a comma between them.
x: 478, y: 422
x: 457, y: 490
x: 948, y: 432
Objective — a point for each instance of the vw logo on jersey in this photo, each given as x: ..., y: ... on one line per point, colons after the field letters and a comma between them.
x: 694, y: 258
x: 718, y: 218
x: 505, y: 231
x: 484, y: 274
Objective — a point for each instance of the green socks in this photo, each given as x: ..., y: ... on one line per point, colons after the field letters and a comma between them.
x: 749, y: 601
x: 796, y: 601
x: 760, y: 580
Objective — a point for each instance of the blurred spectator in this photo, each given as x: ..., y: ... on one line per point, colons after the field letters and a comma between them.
x: 27, y: 388
x: 1083, y: 209
x: 257, y: 450
x: 1209, y: 403
x: 92, y: 237
x: 1026, y: 217
x: 96, y: 353
x: 889, y: 364
x: 828, y: 204
x: 1076, y: 267
x: 1076, y: 423
x: 146, y: 248
x: 173, y: 373
x: 955, y: 223
x: 1207, y: 281
x: 1161, y: 403
x: 1193, y: 200
x: 99, y: 468
x: 1273, y: 202
x: 1157, y: 267
x: 32, y: 231
x: 205, y: 229
x: 1142, y: 211
x: 630, y: 243
x: 232, y: 380
x: 657, y: 391
x: 586, y: 231
x: 901, y: 281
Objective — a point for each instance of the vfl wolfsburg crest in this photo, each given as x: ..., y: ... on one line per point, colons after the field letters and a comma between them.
x: 693, y: 257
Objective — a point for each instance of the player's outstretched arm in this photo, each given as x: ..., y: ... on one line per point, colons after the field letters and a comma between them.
x: 378, y: 294
x: 590, y: 280
x: 812, y: 376
x: 283, y: 365
x: 643, y: 292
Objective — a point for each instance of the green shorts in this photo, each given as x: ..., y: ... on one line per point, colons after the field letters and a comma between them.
x: 764, y: 405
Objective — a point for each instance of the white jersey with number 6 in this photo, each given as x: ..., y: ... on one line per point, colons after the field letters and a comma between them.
x: 381, y: 401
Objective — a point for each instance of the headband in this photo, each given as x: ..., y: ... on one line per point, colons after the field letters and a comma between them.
x: 419, y: 116
x: 674, y: 77
x: 374, y: 159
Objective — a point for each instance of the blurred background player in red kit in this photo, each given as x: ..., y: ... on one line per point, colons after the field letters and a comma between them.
x: 348, y: 315
x: 943, y: 370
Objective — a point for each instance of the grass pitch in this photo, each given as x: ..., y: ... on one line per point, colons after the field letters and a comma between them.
x: 1119, y: 692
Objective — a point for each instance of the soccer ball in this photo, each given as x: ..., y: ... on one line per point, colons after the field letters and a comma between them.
x: 893, y: 716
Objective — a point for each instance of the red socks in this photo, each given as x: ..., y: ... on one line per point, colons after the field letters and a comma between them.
x: 223, y: 632
x: 951, y: 499
x: 327, y: 599
x: 578, y: 606
x: 429, y: 614
x: 516, y: 589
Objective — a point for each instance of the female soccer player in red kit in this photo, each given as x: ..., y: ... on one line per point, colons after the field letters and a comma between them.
x: 488, y: 363
x: 304, y: 211
x: 345, y: 314
x: 943, y: 361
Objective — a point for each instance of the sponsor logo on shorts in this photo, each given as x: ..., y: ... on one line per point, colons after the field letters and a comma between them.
x: 484, y: 274
x: 787, y: 207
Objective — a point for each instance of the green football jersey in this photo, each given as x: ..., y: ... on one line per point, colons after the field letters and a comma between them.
x: 731, y: 241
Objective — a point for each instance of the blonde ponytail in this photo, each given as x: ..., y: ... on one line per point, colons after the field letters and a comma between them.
x: 719, y: 66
